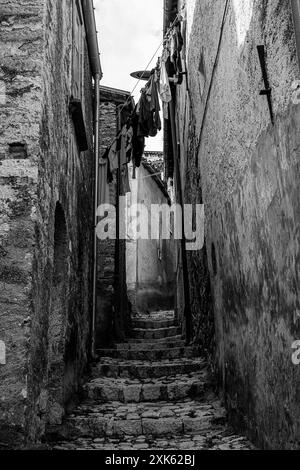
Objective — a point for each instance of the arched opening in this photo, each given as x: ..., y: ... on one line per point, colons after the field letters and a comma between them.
x: 57, y: 319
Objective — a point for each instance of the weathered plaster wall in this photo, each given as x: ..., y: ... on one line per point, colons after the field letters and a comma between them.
x: 247, y: 174
x: 45, y: 320
x: 151, y: 273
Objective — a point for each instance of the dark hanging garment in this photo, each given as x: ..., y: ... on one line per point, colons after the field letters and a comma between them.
x: 145, y: 115
x: 129, y: 143
x: 155, y: 107
x: 176, y: 45
x: 125, y: 186
x: 149, y: 118
x: 138, y: 142
x: 106, y: 153
x: 110, y: 177
x: 119, y: 141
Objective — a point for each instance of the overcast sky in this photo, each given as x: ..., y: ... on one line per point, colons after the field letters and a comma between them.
x: 129, y: 32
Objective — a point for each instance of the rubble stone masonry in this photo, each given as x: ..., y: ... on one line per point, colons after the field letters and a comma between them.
x: 246, y: 172
x: 46, y: 219
x: 106, y: 249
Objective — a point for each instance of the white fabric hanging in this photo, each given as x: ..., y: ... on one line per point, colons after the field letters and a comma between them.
x: 164, y: 84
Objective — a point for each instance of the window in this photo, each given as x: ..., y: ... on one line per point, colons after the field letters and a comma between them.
x: 77, y: 69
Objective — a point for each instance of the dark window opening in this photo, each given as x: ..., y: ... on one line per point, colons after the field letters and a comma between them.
x: 18, y: 150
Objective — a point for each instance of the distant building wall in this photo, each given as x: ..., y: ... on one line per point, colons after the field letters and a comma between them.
x: 106, y: 249
x: 109, y: 292
x: 150, y: 265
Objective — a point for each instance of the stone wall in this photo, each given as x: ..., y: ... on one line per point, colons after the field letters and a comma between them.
x: 46, y: 220
x: 245, y: 170
x: 106, y: 248
x: 21, y: 59
x: 113, y: 320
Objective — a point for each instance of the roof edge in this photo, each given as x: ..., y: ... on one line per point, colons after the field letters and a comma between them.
x: 157, y: 180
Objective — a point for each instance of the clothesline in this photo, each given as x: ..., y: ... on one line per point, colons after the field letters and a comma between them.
x: 166, y: 36
x: 144, y: 120
x: 149, y: 176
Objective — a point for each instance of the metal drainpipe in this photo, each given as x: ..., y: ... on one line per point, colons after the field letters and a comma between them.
x: 96, y: 197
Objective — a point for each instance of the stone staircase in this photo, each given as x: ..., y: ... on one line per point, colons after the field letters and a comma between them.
x: 152, y: 392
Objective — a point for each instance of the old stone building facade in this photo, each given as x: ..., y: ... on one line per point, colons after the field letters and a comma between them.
x: 74, y: 310
x: 112, y: 310
x: 48, y: 64
x: 238, y: 154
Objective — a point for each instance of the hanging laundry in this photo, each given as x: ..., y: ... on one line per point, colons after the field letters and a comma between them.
x: 178, y: 48
x: 155, y: 106
x: 149, y: 119
x: 183, y: 19
x: 126, y: 144
x: 110, y: 176
x: 103, y: 184
x: 113, y: 157
x: 123, y: 159
x: 164, y: 84
x: 118, y: 143
x: 129, y: 143
x: 138, y: 142
x: 124, y: 181
x: 175, y: 45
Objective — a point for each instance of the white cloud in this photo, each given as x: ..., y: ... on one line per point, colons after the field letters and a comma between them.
x: 129, y: 33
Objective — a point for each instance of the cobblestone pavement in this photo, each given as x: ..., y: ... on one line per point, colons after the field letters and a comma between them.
x: 148, y: 395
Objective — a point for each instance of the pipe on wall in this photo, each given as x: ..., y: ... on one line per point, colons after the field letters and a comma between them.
x: 96, y: 200
x: 93, y: 48
x: 92, y: 38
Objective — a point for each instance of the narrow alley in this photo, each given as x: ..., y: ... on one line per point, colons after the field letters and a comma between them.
x: 149, y: 226
x: 149, y: 393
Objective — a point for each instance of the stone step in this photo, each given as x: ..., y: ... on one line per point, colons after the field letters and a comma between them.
x: 134, y: 391
x: 150, y: 324
x: 144, y: 419
x: 108, y: 367
x: 156, y: 344
x: 157, y: 333
x: 167, y: 340
x: 148, y: 354
x: 159, y: 315
x: 213, y: 439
